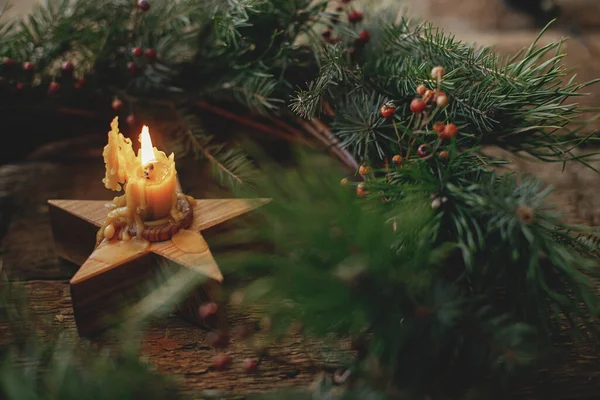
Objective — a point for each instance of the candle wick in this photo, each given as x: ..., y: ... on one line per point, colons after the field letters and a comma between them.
x: 148, y: 170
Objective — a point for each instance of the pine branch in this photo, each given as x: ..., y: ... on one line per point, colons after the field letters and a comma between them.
x: 231, y: 166
x: 252, y: 91
x: 518, y: 104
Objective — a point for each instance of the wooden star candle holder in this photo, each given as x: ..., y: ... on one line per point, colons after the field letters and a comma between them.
x: 100, y: 290
x: 120, y: 251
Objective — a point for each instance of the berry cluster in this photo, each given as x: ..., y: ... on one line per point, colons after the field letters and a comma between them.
x: 20, y: 76
x: 138, y: 63
x: 355, y: 18
x: 140, y: 58
x: 17, y: 76
x: 428, y: 104
x: 242, y: 333
x: 428, y: 97
x: 445, y: 131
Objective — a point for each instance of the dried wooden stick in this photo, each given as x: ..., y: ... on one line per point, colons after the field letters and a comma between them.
x: 324, y: 135
x: 249, y: 122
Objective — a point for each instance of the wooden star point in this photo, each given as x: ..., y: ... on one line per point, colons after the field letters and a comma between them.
x: 109, y: 270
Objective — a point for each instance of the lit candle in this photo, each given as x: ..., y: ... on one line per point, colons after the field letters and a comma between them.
x: 160, y: 178
x: 149, y: 181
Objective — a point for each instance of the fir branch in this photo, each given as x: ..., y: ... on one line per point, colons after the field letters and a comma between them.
x: 307, y: 103
x: 231, y: 165
x: 251, y: 90
x: 518, y: 104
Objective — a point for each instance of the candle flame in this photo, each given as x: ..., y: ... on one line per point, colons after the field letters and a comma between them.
x: 147, y: 150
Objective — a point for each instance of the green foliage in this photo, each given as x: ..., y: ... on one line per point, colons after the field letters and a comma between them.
x: 57, y: 373
x: 231, y: 165
x: 519, y: 104
x: 351, y: 268
x: 59, y: 365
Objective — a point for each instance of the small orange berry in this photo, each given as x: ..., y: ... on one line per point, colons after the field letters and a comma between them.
x: 438, y: 72
x: 441, y: 100
x: 364, y: 170
x: 360, y: 190
x: 439, y: 127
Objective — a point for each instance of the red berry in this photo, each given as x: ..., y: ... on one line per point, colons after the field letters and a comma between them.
x: 53, y: 88
x: 439, y: 127
x: 364, y: 37
x: 67, y: 68
x: 79, y: 84
x: 28, y: 66
x: 143, y: 5
x: 360, y: 190
x: 388, y: 110
x: 421, y: 89
x: 250, y: 364
x: 10, y: 62
x: 422, y: 150
x: 151, y: 54
x: 222, y: 361
x: 417, y: 106
x: 118, y: 104
x: 132, y: 67
x: 208, y: 309
x: 397, y: 160
x: 355, y: 16
x: 443, y: 155
x: 131, y: 120
x: 450, y: 131
x: 20, y: 86
x: 137, y: 51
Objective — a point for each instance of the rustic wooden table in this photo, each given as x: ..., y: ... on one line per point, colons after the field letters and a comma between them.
x: 73, y: 169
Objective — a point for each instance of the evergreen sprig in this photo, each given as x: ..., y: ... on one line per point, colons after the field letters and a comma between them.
x: 519, y: 104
